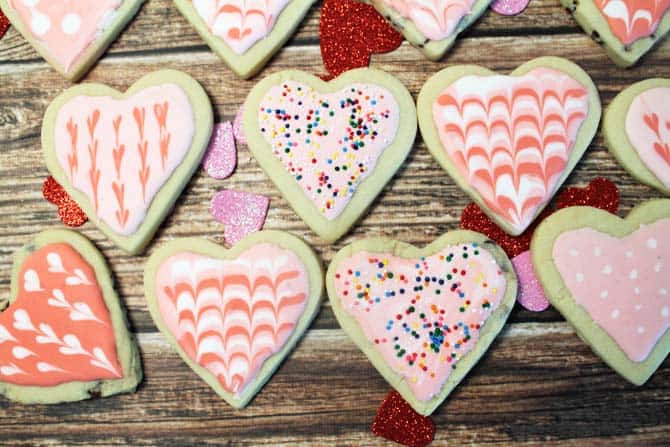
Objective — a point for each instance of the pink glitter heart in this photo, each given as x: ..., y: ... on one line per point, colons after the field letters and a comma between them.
x: 221, y: 156
x: 531, y: 295
x: 237, y: 127
x: 241, y: 212
x: 509, y: 7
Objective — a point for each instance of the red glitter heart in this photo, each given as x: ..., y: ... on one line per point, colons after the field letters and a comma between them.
x: 350, y: 32
x: 68, y: 211
x: 4, y: 24
x: 397, y: 421
x: 600, y: 193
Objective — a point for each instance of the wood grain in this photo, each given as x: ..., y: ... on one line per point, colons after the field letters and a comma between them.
x: 538, y: 385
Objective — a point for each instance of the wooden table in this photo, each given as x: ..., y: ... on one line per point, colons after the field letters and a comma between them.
x: 538, y: 385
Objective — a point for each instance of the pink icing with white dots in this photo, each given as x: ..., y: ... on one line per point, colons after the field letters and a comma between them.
x: 66, y: 28
x: 623, y: 284
x: 328, y: 142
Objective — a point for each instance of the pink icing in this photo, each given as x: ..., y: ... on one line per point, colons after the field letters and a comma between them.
x: 422, y: 315
x: 623, y: 284
x: 66, y: 28
x: 648, y: 129
x: 240, y: 23
x: 511, y: 137
x: 435, y: 19
x: 119, y: 153
x: 328, y: 142
x: 230, y: 316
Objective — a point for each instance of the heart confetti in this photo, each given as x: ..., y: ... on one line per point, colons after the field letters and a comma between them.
x: 397, y: 421
x: 531, y: 294
x: 350, y: 32
x: 4, y: 24
x: 509, y: 7
x: 68, y: 211
x: 221, y: 156
x: 238, y: 131
x: 241, y: 212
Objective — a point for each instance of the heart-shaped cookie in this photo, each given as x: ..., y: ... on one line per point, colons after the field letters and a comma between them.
x: 510, y: 141
x: 609, y: 278
x: 64, y: 336
x: 70, y: 35
x: 425, y: 316
x: 627, y: 29
x: 125, y: 158
x: 432, y: 25
x: 330, y: 147
x: 234, y: 315
x: 637, y: 131
x: 245, y: 34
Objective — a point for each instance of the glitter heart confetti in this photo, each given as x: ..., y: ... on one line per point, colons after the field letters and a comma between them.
x: 4, y: 24
x: 221, y: 156
x: 397, y: 421
x: 509, y: 7
x: 68, y: 211
x: 350, y: 32
x: 531, y: 294
x: 240, y: 211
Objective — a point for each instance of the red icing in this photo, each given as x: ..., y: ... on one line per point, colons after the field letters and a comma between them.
x: 397, y: 421
x: 350, y: 32
x: 58, y: 329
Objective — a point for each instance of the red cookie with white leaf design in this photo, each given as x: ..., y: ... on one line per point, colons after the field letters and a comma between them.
x: 637, y: 131
x: 510, y: 141
x: 609, y: 278
x: 63, y: 335
x: 125, y: 158
x: 234, y: 315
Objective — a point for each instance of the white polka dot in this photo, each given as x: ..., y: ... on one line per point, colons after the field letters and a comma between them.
x: 657, y: 267
x: 71, y: 23
x: 633, y: 274
x: 604, y: 294
x: 615, y: 314
x: 640, y: 329
x: 607, y: 269
x: 40, y: 23
x: 597, y: 251
x: 638, y: 307
x: 636, y: 290
x: 580, y: 277
x: 651, y: 243
x: 663, y: 291
x: 629, y: 254
x: 665, y: 312
x: 574, y: 252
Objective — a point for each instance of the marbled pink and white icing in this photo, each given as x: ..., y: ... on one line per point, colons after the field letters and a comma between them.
x: 422, y: 315
x: 66, y: 28
x: 120, y: 152
x: 329, y: 142
x: 435, y: 19
x: 511, y: 137
x: 230, y: 316
x: 240, y: 23
x: 648, y: 130
x: 623, y: 284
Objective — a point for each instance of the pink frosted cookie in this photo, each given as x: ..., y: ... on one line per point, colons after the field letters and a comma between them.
x: 64, y: 336
x: 637, y: 131
x: 431, y: 25
x: 510, y: 141
x: 425, y: 316
x: 245, y: 33
x: 609, y: 277
x: 234, y: 315
x: 330, y: 147
x: 627, y: 29
x: 70, y: 35
x: 125, y: 157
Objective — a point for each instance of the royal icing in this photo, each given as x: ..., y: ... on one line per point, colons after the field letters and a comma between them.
x: 648, y: 129
x: 230, y: 316
x: 240, y: 23
x: 58, y: 329
x: 66, y: 28
x: 329, y: 142
x: 119, y: 153
x: 511, y: 137
x: 623, y: 284
x: 422, y: 315
x: 630, y: 20
x: 435, y: 19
